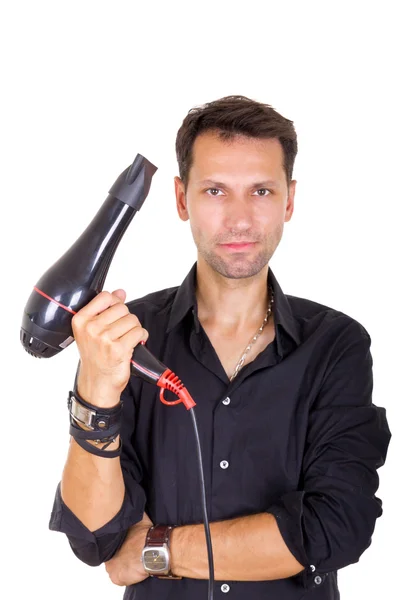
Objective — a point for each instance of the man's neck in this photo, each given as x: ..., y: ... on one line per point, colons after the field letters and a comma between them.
x: 230, y: 305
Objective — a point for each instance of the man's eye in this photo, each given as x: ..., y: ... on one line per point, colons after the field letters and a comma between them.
x: 213, y: 189
x: 263, y: 190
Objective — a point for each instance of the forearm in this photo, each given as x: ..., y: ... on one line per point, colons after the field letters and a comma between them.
x: 92, y: 486
x: 248, y: 548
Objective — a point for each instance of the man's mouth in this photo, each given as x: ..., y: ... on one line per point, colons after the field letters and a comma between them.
x: 239, y: 245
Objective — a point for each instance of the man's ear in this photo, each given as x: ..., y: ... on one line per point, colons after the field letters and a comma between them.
x: 181, y: 199
x: 290, y: 200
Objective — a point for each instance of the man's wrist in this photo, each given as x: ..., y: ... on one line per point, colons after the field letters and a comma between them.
x: 175, y: 545
x: 96, y: 393
x: 188, y: 551
x: 99, y: 399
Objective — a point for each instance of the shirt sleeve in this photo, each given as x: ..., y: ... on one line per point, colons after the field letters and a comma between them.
x: 98, y: 546
x: 329, y: 522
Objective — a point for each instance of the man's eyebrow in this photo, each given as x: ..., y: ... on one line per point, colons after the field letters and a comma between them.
x: 266, y: 183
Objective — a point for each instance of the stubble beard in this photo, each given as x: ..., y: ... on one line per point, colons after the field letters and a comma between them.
x: 240, y: 265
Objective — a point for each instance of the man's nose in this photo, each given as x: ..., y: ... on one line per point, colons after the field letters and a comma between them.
x: 238, y: 213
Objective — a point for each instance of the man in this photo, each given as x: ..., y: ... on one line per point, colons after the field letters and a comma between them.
x: 291, y: 440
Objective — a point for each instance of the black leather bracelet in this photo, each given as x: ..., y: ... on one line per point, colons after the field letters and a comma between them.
x: 102, y: 436
x: 104, y: 425
x: 94, y: 417
x: 107, y: 411
x: 97, y: 451
x: 82, y: 436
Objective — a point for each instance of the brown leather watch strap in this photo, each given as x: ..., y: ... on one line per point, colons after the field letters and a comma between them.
x: 158, y: 535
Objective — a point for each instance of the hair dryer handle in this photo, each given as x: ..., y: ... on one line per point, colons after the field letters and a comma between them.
x: 146, y: 365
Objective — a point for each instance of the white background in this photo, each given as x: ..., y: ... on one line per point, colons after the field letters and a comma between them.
x: 88, y: 85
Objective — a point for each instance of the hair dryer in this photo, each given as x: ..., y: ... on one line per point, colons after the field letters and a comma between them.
x: 79, y: 275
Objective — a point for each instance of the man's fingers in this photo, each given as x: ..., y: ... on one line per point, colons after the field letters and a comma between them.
x: 100, y: 303
x: 120, y: 293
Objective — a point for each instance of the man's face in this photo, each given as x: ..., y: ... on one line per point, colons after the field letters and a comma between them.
x: 237, y: 192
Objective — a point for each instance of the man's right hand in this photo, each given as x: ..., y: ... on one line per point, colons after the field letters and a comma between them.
x: 106, y: 334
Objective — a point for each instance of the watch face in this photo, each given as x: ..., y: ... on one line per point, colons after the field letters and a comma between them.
x: 155, y: 559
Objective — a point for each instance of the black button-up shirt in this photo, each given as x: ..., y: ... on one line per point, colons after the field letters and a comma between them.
x: 295, y: 434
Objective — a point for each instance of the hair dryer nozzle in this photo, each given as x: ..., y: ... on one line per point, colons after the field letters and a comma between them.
x: 79, y: 275
x: 133, y: 185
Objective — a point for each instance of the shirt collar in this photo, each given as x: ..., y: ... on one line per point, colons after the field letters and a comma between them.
x: 185, y: 299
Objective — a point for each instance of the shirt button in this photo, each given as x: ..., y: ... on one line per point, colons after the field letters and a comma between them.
x: 224, y: 464
x: 226, y: 401
x: 225, y: 588
x: 312, y: 567
x: 318, y: 579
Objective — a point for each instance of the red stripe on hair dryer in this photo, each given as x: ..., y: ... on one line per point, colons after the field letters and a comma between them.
x: 79, y: 275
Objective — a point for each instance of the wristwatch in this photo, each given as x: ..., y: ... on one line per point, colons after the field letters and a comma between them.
x: 156, y: 556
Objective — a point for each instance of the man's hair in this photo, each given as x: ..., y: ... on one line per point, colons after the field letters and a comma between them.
x: 231, y: 116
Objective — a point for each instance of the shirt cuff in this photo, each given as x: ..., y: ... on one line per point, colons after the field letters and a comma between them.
x: 288, y: 512
x: 98, y: 546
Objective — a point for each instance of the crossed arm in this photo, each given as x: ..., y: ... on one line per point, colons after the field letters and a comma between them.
x: 248, y: 548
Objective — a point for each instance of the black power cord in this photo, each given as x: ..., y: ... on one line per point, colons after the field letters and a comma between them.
x: 204, y: 506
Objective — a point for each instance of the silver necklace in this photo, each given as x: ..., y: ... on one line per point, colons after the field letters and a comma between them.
x: 256, y: 336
